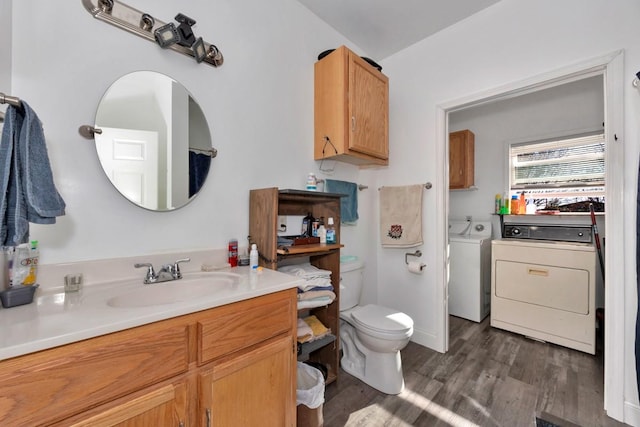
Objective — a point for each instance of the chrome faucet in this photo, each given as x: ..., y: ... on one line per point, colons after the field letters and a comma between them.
x: 166, y: 273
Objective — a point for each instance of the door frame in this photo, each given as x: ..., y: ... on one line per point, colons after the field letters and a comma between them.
x: 611, y: 67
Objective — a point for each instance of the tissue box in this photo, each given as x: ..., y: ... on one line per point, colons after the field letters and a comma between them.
x: 19, y: 295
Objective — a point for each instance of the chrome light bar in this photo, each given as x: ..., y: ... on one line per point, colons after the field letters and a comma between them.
x: 144, y: 25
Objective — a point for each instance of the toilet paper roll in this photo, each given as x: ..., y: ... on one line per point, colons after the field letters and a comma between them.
x: 415, y: 267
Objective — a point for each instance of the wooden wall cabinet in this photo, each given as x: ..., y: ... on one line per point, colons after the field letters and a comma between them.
x: 351, y: 110
x: 202, y: 369
x: 461, y: 159
x: 264, y: 207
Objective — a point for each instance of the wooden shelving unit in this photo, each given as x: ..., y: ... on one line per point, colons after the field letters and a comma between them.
x: 264, y: 207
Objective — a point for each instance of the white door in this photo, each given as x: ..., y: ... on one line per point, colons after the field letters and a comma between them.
x: 129, y: 157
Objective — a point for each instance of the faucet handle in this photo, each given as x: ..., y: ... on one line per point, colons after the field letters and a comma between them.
x: 151, y: 274
x: 176, y: 267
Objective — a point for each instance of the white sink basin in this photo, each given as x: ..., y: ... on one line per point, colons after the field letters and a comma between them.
x: 191, y: 286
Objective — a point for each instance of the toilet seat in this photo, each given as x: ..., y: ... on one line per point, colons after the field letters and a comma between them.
x: 382, y: 322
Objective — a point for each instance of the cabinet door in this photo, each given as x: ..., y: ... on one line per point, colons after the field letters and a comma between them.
x: 164, y: 406
x: 461, y: 159
x: 254, y: 388
x: 369, y: 113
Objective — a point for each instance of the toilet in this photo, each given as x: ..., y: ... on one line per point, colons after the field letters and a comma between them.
x: 371, y: 336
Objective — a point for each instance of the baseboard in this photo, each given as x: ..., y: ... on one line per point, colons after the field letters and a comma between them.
x: 631, y: 414
x: 426, y: 339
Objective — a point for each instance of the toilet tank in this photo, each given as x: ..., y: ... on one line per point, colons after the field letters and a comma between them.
x: 351, y: 280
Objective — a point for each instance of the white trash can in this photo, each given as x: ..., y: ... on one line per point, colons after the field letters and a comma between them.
x: 309, y: 396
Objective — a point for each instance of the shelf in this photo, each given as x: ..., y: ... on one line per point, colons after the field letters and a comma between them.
x: 265, y: 205
x: 310, y: 347
x: 318, y: 196
x: 308, y: 249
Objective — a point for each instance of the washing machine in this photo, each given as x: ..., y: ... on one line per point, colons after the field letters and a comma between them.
x: 470, y: 269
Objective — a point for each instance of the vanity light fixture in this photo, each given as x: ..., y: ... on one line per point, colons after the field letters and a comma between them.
x: 167, y: 35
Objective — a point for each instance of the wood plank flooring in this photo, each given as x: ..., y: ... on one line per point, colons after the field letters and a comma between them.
x: 489, y: 377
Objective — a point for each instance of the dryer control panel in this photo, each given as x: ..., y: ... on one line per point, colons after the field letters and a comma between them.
x: 558, y: 233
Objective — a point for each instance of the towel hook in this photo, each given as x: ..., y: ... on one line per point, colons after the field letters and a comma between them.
x: 417, y: 254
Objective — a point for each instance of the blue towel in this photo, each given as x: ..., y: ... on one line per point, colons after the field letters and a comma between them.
x: 28, y: 191
x: 348, y: 204
x: 198, y: 170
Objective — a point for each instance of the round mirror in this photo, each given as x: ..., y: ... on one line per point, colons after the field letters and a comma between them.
x: 154, y: 142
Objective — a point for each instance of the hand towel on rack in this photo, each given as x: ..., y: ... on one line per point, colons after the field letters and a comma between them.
x: 348, y: 204
x: 401, y: 216
x: 29, y: 194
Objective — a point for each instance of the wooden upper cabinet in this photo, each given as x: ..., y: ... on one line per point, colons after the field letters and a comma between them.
x: 351, y: 110
x: 461, y: 159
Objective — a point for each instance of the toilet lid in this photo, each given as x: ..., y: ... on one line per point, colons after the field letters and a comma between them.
x: 382, y: 319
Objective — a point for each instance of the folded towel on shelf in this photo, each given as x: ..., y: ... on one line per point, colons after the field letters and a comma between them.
x: 28, y: 191
x: 316, y: 294
x: 317, y: 328
x: 314, y: 277
x: 401, y: 216
x: 314, y: 302
x: 328, y: 287
x: 349, y: 203
x: 305, y: 333
x: 305, y: 270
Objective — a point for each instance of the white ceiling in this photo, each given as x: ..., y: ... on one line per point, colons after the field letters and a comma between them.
x: 384, y: 27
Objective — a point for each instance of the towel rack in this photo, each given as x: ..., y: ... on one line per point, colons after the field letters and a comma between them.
x: 11, y: 100
x: 427, y: 186
x: 360, y: 186
x: 212, y: 152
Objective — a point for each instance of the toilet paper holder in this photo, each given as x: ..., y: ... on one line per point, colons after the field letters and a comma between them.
x: 417, y: 254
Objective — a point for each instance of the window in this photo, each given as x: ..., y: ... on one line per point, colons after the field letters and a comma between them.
x: 561, y: 174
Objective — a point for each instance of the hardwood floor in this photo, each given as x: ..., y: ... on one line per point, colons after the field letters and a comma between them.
x: 489, y: 377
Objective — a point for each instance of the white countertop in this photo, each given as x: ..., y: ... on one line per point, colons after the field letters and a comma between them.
x: 55, y: 318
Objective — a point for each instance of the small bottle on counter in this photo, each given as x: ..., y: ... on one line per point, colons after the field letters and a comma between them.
x: 233, y: 252
x: 514, y: 209
x: 312, y: 182
x: 322, y: 231
x: 253, y: 257
x: 307, y: 225
x: 498, y: 204
x: 504, y: 209
x: 331, y: 231
x: 522, y: 204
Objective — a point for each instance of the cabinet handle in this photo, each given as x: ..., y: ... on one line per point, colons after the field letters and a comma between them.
x: 181, y: 424
x: 208, y: 412
x: 538, y: 272
x: 353, y: 123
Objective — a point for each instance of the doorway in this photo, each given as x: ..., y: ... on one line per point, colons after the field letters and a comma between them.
x: 609, y: 69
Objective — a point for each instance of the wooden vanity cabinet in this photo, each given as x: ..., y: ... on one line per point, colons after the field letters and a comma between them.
x: 169, y: 373
x: 265, y: 205
x: 351, y: 110
x: 461, y: 159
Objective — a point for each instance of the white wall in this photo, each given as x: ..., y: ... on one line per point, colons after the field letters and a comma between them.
x: 5, y: 48
x: 508, y: 42
x: 259, y: 105
x: 563, y: 110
